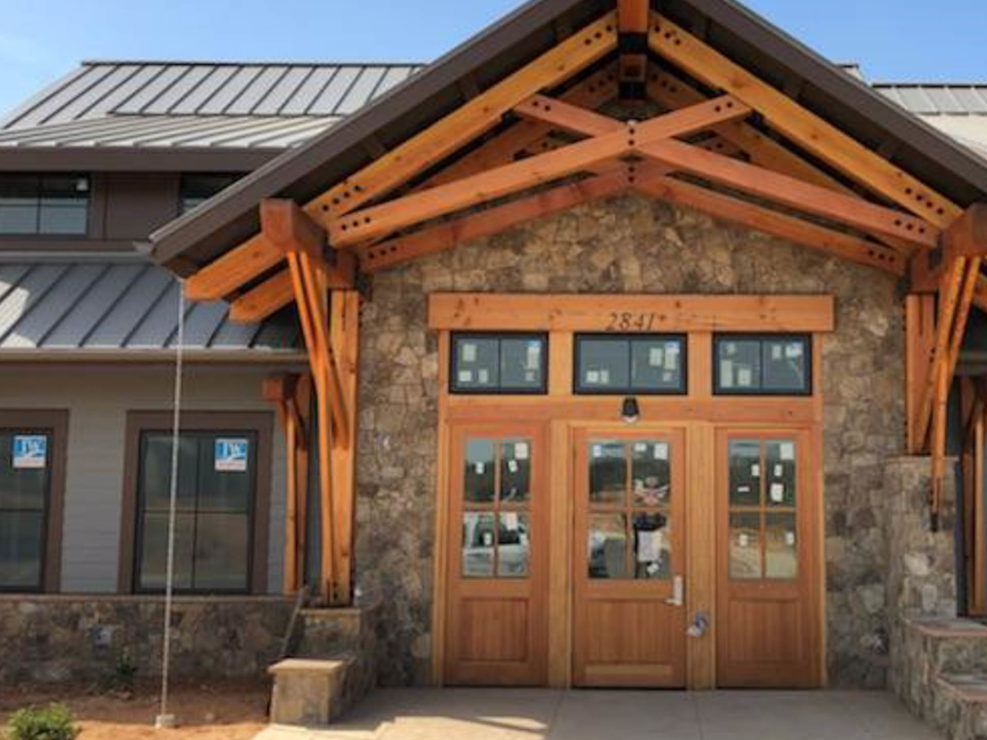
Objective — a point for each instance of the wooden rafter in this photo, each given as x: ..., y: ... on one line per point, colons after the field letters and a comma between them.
x: 491, y: 221
x: 500, y: 181
x: 260, y: 302
x: 800, y: 125
x: 469, y: 121
x: 632, y: 22
x: 729, y: 208
x: 792, y: 192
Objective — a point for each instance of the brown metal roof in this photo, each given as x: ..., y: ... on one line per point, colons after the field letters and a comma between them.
x: 749, y: 40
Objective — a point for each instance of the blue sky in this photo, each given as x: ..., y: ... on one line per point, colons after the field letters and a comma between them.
x: 41, y: 40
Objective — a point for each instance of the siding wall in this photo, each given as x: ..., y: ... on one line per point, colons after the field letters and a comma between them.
x: 98, y: 399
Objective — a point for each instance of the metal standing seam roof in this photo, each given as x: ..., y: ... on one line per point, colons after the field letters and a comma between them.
x: 196, y: 104
x: 109, y: 307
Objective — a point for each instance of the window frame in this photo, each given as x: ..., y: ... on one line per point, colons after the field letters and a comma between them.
x: 38, y: 233
x: 761, y: 337
x: 578, y: 389
x: 222, y: 423
x: 55, y: 424
x: 454, y: 389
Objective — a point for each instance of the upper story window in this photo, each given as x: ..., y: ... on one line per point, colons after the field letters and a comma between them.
x: 623, y: 364
x: 499, y: 363
x: 769, y: 364
x: 51, y: 204
x: 197, y: 189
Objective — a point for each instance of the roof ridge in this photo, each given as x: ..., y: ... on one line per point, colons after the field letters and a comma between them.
x: 253, y: 62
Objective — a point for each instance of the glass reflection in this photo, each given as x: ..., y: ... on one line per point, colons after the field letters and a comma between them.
x: 650, y: 473
x: 780, y: 547
x: 652, y: 546
x: 745, y: 546
x: 607, y: 472
x: 515, y: 471
x: 478, y: 545
x: 745, y: 472
x: 513, y: 545
x: 479, y: 474
x: 608, y: 546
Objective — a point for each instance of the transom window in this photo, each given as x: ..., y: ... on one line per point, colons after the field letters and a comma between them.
x: 56, y: 204
x: 197, y: 189
x: 497, y: 508
x: 762, y: 509
x: 498, y: 363
x: 774, y: 364
x: 25, y: 482
x: 215, y: 510
x: 609, y: 364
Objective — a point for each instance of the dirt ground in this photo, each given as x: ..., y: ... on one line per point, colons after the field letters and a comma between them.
x: 228, y: 711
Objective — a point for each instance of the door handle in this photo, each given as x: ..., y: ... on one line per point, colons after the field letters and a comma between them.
x: 678, y: 592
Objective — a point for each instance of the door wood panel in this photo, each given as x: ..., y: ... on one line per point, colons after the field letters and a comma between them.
x: 624, y: 631
x: 496, y: 621
x: 768, y: 632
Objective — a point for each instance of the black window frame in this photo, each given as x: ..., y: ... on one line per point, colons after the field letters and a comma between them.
x: 578, y: 389
x: 183, y: 181
x: 139, y: 511
x: 456, y: 336
x: 46, y: 512
x: 40, y: 194
x: 762, y: 337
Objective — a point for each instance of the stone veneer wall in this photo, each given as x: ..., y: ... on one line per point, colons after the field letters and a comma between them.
x: 78, y: 638
x: 628, y: 244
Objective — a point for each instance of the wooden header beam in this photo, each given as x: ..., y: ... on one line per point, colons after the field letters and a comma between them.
x: 629, y: 313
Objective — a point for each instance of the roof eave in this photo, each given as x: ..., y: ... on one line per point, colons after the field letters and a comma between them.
x: 135, y: 159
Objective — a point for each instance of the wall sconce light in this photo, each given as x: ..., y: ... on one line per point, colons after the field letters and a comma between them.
x: 630, y: 412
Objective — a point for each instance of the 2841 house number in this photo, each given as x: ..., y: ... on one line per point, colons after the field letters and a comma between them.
x: 629, y: 321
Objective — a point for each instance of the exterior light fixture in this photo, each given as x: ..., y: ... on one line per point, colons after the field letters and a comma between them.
x: 630, y: 412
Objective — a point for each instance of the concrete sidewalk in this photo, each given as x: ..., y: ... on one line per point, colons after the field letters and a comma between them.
x: 520, y: 714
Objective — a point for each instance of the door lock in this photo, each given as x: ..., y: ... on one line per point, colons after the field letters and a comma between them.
x: 700, y: 623
x: 678, y: 592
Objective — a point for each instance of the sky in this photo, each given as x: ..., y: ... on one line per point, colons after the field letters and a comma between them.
x: 41, y: 40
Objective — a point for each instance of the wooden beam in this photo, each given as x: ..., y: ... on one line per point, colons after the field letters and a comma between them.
x: 806, y: 233
x: 645, y: 313
x: 235, y: 268
x: 286, y: 226
x: 801, y: 126
x: 344, y: 338
x: 267, y: 298
x: 965, y: 237
x: 633, y: 16
x: 491, y: 221
x: 403, y: 212
x: 789, y: 191
x: 920, y: 316
x: 980, y: 294
x: 632, y: 21
x: 468, y: 121
x: 558, y: 114
x: 594, y: 91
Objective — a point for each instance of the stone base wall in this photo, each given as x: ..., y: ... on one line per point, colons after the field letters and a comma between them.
x: 80, y: 638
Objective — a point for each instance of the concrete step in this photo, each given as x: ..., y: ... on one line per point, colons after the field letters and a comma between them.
x: 960, y: 705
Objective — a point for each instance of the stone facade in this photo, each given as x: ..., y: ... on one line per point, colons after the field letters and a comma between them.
x: 626, y: 245
x: 61, y: 638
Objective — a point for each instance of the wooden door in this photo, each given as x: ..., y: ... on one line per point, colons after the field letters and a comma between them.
x: 497, y: 565
x: 628, y: 556
x: 768, y: 570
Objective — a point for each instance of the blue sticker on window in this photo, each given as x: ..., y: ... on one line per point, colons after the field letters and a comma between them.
x: 30, y: 451
x: 231, y: 455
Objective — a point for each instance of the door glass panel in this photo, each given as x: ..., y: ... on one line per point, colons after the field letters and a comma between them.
x: 745, y: 473
x: 652, y: 546
x: 745, y: 546
x: 779, y: 458
x: 608, y: 546
x: 513, y: 545
x: 607, y: 473
x: 478, y: 545
x: 515, y: 471
x: 480, y: 473
x: 780, y: 549
x: 650, y: 473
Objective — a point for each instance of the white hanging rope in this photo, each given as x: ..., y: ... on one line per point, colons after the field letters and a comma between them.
x: 164, y: 719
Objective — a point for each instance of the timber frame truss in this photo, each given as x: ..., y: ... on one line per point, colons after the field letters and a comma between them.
x: 724, y: 142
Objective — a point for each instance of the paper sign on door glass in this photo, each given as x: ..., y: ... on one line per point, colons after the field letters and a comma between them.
x: 468, y: 352
x: 30, y: 451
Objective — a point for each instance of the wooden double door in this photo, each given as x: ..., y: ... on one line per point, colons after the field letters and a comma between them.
x: 628, y: 563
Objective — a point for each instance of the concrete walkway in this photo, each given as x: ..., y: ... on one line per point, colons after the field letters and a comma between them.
x: 517, y: 714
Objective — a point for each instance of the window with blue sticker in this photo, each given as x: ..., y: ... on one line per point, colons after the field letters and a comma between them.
x: 24, y: 501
